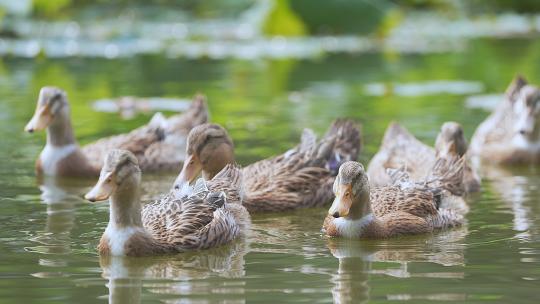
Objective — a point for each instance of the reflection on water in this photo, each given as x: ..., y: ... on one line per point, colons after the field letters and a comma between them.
x: 356, y: 259
x: 518, y: 189
x: 176, y: 276
x: 426, y: 88
x: 54, y: 241
x: 49, y: 235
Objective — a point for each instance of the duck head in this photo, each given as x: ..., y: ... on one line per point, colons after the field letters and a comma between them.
x: 209, y: 149
x: 450, y: 140
x: 52, y: 102
x: 526, y: 106
x: 351, y: 190
x: 119, y: 175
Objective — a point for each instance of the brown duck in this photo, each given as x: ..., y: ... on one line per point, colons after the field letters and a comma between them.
x: 359, y: 211
x: 301, y: 177
x: 157, y: 145
x: 511, y: 134
x: 400, y: 149
x: 202, y: 220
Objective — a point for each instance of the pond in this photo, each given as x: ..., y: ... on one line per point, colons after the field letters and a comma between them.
x: 49, y: 233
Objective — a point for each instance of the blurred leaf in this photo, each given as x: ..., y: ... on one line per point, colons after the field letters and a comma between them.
x: 50, y: 7
x: 391, y: 20
x: 282, y: 21
x: 335, y: 17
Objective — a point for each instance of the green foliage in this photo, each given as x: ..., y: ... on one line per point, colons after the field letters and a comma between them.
x: 340, y: 16
x: 283, y: 21
x: 50, y: 7
x: 391, y: 20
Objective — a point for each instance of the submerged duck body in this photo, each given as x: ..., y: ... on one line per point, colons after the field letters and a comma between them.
x: 400, y: 149
x: 157, y: 145
x: 511, y: 134
x: 203, y: 220
x: 301, y: 177
x: 359, y: 211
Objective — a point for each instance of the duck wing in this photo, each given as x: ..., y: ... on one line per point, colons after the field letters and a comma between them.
x: 156, y: 144
x: 195, y: 222
x: 415, y: 201
x: 400, y: 149
x: 302, y: 176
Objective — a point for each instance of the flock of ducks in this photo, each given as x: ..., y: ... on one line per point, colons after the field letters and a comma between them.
x: 408, y: 188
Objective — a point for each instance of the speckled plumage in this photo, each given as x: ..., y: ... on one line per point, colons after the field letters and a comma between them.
x: 202, y: 220
x: 400, y: 149
x: 158, y: 145
x: 301, y: 177
x: 388, y: 211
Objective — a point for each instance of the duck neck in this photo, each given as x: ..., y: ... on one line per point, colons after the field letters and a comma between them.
x: 360, y: 220
x: 125, y: 207
x: 60, y: 132
x: 361, y: 208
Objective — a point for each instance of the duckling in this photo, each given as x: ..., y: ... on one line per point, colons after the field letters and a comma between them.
x: 157, y: 145
x: 511, y: 134
x: 359, y: 211
x: 401, y: 149
x: 301, y: 177
x: 202, y: 220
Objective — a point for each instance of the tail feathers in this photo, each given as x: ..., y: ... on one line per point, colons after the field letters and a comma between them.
x: 448, y: 174
x: 393, y: 134
x: 308, y: 142
x: 446, y: 218
x: 340, y: 144
x: 229, y: 180
x: 199, y: 109
x: 343, y: 143
x: 400, y: 178
x: 216, y: 199
x: 196, y: 114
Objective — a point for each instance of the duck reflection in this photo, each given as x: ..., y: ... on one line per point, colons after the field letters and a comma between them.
x: 518, y: 188
x: 176, y: 276
x: 61, y: 197
x: 356, y: 258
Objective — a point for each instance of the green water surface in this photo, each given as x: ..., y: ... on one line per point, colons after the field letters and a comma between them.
x: 49, y: 234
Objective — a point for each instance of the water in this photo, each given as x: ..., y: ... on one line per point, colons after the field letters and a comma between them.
x: 49, y: 234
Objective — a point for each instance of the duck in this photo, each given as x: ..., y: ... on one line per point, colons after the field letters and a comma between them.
x: 360, y: 211
x: 201, y: 220
x: 400, y: 148
x: 301, y: 177
x: 511, y: 133
x: 157, y: 145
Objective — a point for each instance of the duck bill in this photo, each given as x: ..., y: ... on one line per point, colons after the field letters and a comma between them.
x: 342, y: 203
x: 103, y: 188
x: 191, y: 169
x: 41, y: 119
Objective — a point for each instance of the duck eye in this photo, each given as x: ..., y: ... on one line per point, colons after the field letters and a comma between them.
x: 176, y: 187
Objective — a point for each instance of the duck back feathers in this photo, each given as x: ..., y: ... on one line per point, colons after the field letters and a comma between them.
x: 303, y: 176
x: 158, y: 145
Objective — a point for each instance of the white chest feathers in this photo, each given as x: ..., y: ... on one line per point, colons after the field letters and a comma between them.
x: 118, y: 237
x: 51, y: 156
x: 522, y: 143
x: 352, y: 228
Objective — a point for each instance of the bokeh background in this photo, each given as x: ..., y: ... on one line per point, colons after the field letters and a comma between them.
x: 269, y: 69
